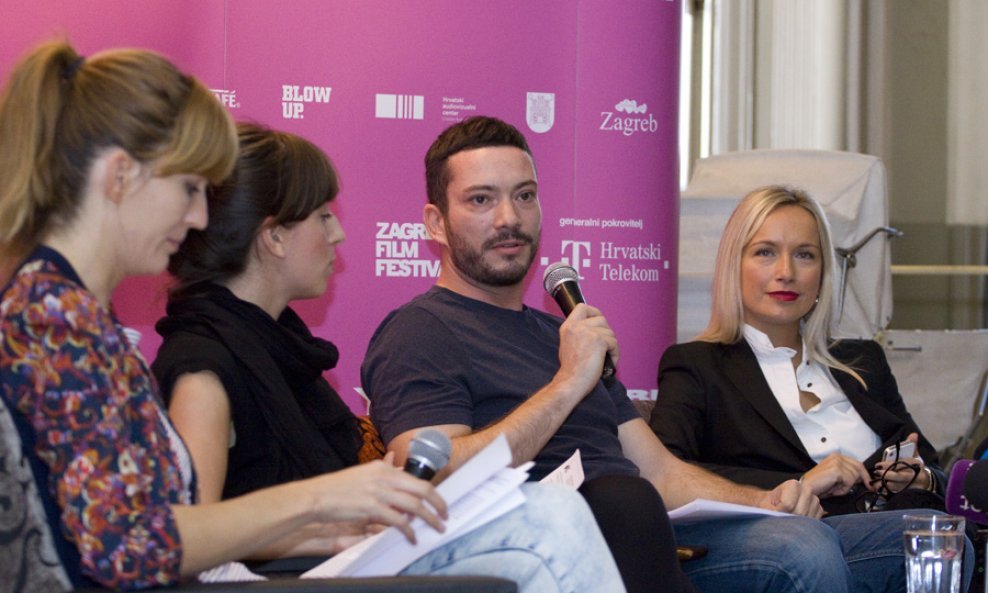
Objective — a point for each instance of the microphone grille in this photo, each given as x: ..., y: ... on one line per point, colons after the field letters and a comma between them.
x: 431, y: 446
x: 556, y: 273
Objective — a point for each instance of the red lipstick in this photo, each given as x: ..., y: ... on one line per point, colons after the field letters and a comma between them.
x: 784, y: 295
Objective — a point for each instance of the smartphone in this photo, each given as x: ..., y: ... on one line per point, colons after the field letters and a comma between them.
x: 906, y: 449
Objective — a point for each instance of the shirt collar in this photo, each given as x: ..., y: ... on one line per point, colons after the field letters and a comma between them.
x: 762, y: 346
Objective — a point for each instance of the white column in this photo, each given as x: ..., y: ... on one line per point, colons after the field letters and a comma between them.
x: 733, y: 76
x: 803, y: 53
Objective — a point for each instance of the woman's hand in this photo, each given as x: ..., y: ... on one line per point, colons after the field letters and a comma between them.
x: 896, y: 481
x: 319, y: 539
x: 376, y: 492
x: 836, y: 475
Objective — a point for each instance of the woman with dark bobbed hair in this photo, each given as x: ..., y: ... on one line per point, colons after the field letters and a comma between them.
x: 243, y: 377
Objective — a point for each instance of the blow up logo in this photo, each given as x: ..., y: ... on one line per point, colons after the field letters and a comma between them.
x: 540, y: 112
x: 632, y: 122
x: 294, y: 98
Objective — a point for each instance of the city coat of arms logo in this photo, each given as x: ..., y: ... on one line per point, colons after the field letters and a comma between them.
x: 540, y: 112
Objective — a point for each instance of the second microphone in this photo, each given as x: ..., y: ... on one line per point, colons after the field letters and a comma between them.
x: 428, y: 453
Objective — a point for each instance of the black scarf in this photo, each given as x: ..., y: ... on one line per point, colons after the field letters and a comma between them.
x: 314, y: 428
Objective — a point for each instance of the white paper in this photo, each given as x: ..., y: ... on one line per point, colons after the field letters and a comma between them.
x: 569, y: 474
x: 702, y: 509
x: 229, y: 573
x: 481, y: 490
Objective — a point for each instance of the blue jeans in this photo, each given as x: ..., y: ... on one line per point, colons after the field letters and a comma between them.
x: 550, y: 544
x: 842, y: 554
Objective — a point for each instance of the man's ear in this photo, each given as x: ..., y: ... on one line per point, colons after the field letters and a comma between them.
x: 435, y: 224
x: 271, y: 237
x: 119, y: 172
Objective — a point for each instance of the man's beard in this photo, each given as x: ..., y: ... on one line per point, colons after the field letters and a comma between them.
x: 470, y: 262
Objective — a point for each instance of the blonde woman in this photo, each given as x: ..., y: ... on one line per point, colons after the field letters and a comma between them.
x: 764, y: 395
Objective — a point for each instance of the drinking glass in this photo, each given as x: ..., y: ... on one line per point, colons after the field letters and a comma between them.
x: 934, y: 545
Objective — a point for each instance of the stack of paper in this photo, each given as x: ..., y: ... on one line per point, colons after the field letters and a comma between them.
x: 702, y: 509
x: 481, y: 490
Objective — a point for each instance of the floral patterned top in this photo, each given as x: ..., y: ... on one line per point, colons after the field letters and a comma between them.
x: 89, y: 409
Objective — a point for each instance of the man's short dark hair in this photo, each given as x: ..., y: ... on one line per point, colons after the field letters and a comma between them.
x: 476, y: 132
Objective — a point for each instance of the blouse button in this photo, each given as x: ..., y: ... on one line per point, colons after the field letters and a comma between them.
x: 808, y: 385
x: 823, y: 439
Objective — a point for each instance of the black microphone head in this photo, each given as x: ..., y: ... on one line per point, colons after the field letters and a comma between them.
x: 976, y: 485
x: 556, y: 274
x: 428, y: 453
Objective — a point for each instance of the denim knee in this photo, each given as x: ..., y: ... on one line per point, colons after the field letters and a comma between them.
x: 810, y: 545
x: 769, y: 554
x: 563, y: 529
x: 551, y: 543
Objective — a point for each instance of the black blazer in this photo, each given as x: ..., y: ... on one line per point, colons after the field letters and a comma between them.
x: 715, y: 408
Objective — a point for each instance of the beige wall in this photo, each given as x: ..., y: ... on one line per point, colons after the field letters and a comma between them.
x: 913, y: 145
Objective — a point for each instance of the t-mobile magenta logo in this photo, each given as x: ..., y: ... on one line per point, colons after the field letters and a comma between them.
x: 575, y: 254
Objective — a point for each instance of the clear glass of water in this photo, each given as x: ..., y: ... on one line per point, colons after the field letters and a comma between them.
x: 934, y: 545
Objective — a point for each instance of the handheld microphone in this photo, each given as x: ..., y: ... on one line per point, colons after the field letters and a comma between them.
x: 428, y: 453
x: 967, y: 490
x: 560, y: 281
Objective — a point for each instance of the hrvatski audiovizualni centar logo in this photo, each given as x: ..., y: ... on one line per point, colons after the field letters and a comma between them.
x: 633, y: 121
x: 390, y: 106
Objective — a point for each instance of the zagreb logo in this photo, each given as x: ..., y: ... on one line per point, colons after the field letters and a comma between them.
x: 540, y: 112
x: 629, y: 106
x: 575, y: 254
x: 632, y: 122
x: 399, y: 106
x: 227, y: 98
x: 294, y: 98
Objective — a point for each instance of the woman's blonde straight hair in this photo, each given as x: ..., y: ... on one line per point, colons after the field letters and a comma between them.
x: 726, y: 324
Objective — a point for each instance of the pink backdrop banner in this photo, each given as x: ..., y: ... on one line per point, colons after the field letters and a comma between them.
x: 593, y: 85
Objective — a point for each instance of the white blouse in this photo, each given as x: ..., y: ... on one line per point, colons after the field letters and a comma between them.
x: 832, y: 425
